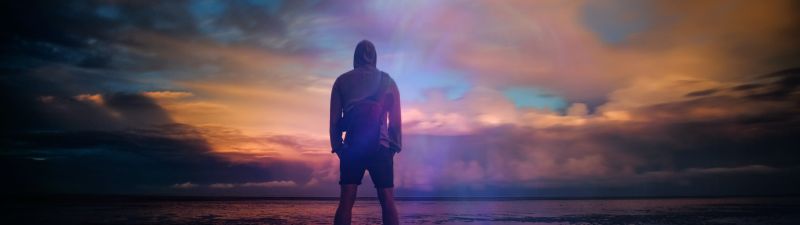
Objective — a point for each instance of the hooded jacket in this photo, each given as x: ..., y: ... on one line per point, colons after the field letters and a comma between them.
x: 360, y: 83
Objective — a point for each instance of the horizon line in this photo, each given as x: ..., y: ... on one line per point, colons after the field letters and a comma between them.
x: 155, y: 197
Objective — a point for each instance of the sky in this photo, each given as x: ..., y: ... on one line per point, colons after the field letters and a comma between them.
x: 499, y: 98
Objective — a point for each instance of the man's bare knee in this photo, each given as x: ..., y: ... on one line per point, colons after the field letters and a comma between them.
x: 348, y: 194
x: 385, y: 194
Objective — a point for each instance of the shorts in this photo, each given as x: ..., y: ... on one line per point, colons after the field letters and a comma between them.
x: 379, y: 162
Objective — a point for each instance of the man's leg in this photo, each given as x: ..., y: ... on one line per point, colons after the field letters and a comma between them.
x: 346, y: 201
x: 388, y: 209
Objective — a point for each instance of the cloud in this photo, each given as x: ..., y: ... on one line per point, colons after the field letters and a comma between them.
x: 511, y: 97
x: 578, y: 109
x: 270, y: 184
x: 186, y: 185
x: 221, y: 185
x: 673, y: 144
x: 167, y: 95
x: 119, y: 143
x: 93, y: 98
x: 743, y: 169
x: 130, y: 161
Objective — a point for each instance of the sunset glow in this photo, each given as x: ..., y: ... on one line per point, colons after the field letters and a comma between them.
x: 500, y: 98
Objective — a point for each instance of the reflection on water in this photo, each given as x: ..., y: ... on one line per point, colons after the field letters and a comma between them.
x: 630, y: 211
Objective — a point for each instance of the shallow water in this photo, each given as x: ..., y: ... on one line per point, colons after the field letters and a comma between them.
x: 622, y: 211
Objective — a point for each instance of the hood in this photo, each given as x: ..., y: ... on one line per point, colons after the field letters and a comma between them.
x: 365, y: 54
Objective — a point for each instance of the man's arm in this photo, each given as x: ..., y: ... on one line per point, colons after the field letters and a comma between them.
x: 335, y: 117
x: 395, y: 123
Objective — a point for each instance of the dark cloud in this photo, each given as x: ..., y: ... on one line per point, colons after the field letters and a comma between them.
x: 777, y: 86
x: 99, y: 35
x: 43, y: 100
x: 730, y: 129
x: 712, y: 144
x: 782, y: 85
x: 127, y: 161
x: 606, y: 160
x: 701, y: 93
x: 56, y: 141
x: 744, y: 87
x: 74, y: 119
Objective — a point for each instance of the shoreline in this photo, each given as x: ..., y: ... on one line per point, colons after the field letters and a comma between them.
x: 116, y: 198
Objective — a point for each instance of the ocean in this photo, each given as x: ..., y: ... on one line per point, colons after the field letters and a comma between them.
x: 133, y: 210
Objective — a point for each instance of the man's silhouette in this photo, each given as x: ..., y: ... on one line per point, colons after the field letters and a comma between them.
x: 361, y: 101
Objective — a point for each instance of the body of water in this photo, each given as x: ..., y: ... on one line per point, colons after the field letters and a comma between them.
x: 490, y: 211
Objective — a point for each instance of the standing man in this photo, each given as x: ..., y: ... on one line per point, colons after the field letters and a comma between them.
x: 365, y: 109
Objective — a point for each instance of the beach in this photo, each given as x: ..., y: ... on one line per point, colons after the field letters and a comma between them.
x: 413, y: 211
